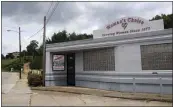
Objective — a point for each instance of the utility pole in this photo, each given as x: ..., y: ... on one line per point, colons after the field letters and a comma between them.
x: 44, y: 52
x: 20, y: 51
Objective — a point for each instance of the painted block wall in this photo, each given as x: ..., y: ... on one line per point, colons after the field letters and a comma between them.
x: 128, y: 58
x: 54, y: 78
x: 128, y: 75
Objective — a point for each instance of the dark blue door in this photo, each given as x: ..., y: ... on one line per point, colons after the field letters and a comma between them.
x: 71, y: 69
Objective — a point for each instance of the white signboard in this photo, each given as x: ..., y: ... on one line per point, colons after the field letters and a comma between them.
x: 128, y: 25
x: 58, y: 62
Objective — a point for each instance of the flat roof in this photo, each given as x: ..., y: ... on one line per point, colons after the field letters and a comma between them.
x: 50, y: 47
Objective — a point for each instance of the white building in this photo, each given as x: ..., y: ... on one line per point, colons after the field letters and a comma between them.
x: 130, y: 54
x: 15, y: 54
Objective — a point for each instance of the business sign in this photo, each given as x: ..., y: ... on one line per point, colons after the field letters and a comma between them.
x: 58, y: 62
x: 128, y: 25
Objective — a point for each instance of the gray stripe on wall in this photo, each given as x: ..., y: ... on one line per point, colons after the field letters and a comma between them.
x: 166, y: 73
x: 56, y: 73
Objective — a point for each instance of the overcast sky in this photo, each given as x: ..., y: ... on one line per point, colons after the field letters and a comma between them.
x: 80, y: 17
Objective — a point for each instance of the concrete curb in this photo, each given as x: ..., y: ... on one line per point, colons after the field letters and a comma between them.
x: 105, y: 93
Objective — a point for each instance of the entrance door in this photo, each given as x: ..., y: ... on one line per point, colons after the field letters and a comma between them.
x: 71, y: 69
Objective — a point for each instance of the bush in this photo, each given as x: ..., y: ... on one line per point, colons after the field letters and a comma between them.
x: 34, y: 80
x: 27, y: 59
x: 15, y: 64
x: 6, y: 62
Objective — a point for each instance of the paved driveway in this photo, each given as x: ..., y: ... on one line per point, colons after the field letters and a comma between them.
x: 48, y: 98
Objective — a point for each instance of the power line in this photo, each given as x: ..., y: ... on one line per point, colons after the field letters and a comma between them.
x: 36, y: 33
x: 53, y: 10
x: 56, y: 5
x: 49, y: 8
x: 42, y: 27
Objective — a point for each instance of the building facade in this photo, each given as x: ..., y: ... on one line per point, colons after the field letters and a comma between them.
x: 130, y: 62
x: 15, y: 54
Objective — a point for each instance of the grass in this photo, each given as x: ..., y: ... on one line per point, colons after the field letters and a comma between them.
x: 5, y: 62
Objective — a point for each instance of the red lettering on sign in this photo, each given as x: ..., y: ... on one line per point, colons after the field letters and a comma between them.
x: 137, y: 20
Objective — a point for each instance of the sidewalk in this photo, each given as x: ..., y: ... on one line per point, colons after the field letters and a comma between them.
x: 19, y: 95
x: 104, y: 93
x: 8, y: 81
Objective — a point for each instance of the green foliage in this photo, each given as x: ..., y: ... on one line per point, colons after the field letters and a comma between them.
x: 168, y: 20
x: 64, y: 37
x: 15, y: 64
x: 36, y: 63
x: 31, y: 48
x: 39, y: 51
x: 6, y: 62
x: 59, y: 37
x: 34, y: 79
x: 2, y: 56
x: 23, y: 53
x: 27, y: 59
x: 34, y: 50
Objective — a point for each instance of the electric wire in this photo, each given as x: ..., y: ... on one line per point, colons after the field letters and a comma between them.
x: 48, y: 19
x: 49, y: 8
x: 42, y: 27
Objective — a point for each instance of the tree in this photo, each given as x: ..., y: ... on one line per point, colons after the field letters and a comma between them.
x: 2, y: 56
x: 168, y: 20
x: 39, y: 51
x: 23, y: 53
x: 85, y: 36
x: 63, y: 37
x: 48, y: 41
x: 73, y: 36
x: 59, y: 37
x: 31, y: 48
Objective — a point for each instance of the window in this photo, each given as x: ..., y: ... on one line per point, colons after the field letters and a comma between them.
x: 156, y: 56
x: 99, y: 60
x: 58, y: 62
